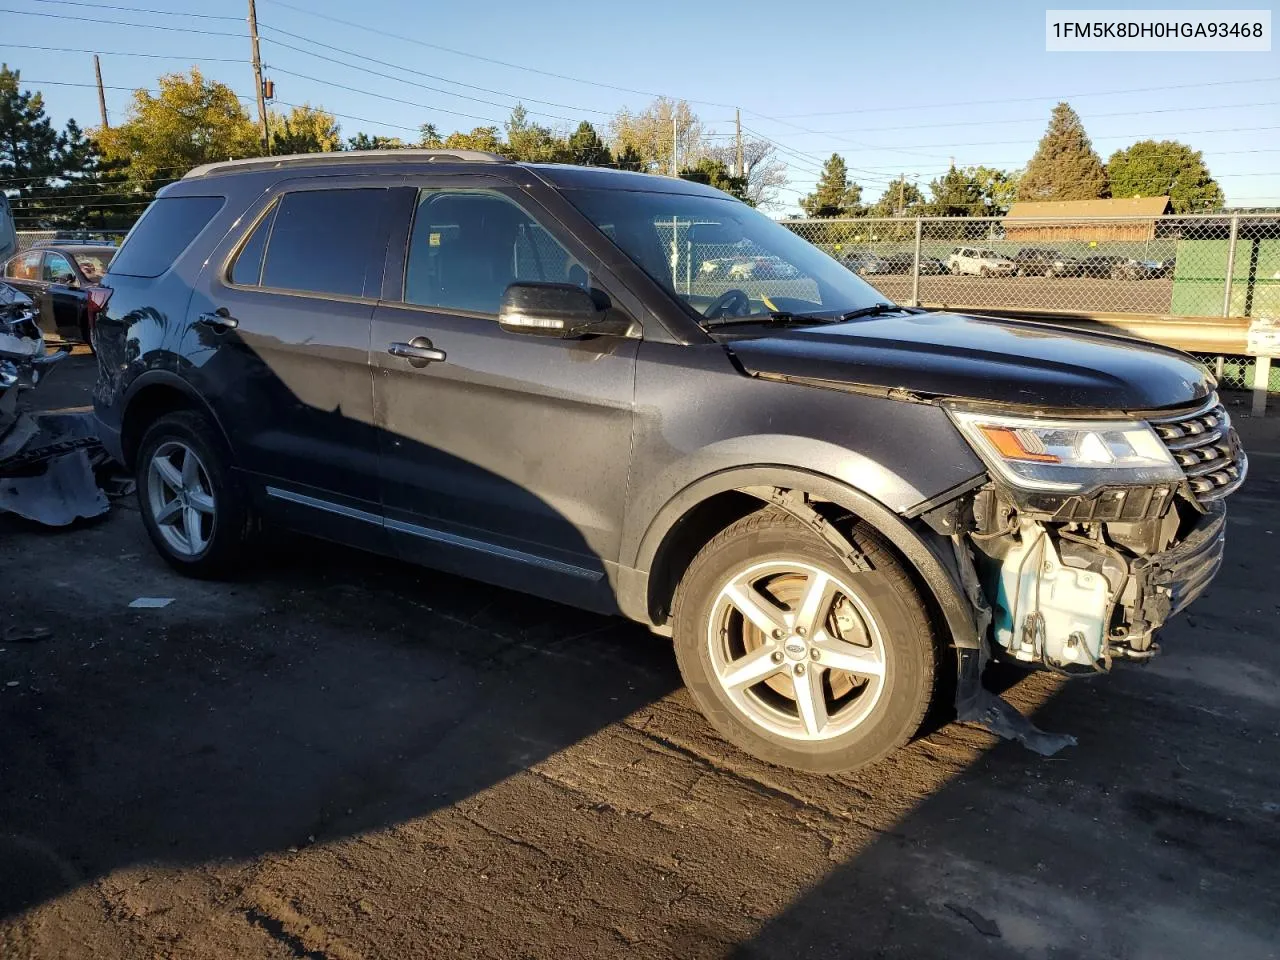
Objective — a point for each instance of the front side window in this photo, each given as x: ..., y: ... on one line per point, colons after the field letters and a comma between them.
x: 321, y: 240
x: 467, y: 246
x: 723, y: 258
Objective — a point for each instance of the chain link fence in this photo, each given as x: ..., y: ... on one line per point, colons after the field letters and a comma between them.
x: 31, y: 238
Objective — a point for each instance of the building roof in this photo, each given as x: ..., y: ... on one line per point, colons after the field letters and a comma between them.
x: 1066, y: 209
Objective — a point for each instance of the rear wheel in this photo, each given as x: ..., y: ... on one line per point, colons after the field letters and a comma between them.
x: 797, y: 658
x: 195, y: 510
x: 985, y: 272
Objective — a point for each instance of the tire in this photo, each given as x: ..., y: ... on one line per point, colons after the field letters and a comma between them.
x: 984, y: 272
x: 211, y: 501
x: 779, y: 558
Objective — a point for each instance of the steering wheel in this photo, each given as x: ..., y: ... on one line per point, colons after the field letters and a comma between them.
x: 731, y: 303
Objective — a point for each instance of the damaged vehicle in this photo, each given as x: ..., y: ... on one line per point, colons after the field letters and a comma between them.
x: 47, y: 463
x: 840, y: 509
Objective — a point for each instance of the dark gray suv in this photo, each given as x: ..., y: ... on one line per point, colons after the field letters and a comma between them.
x: 840, y: 509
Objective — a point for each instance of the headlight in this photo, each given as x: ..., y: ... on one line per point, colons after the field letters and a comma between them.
x: 1072, y: 456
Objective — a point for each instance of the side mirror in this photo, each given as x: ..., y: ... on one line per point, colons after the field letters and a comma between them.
x: 549, y: 310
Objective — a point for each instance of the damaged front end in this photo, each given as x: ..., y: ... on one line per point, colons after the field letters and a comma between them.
x: 46, y: 463
x: 1090, y: 535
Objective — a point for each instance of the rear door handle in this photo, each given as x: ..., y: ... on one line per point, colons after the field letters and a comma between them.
x: 418, y: 351
x: 219, y: 318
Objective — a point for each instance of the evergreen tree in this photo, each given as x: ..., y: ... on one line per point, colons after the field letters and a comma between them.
x: 1065, y: 166
x: 628, y: 158
x: 715, y: 174
x: 1154, y: 169
x: 362, y: 141
x: 429, y: 137
x: 586, y: 147
x: 834, y: 195
x: 900, y: 198
x: 956, y: 193
x: 32, y: 152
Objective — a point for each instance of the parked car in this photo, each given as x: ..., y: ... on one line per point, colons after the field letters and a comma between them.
x: 866, y: 263
x: 978, y: 261
x: 1041, y: 262
x: 824, y: 500
x: 58, y: 278
x: 748, y: 268
x: 1117, y: 268
x: 904, y: 262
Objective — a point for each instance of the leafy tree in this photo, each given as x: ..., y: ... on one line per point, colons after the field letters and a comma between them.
x: 834, y: 195
x: 648, y: 133
x: 1153, y: 169
x: 429, y: 137
x: 306, y: 129
x: 190, y: 122
x: 481, y: 138
x: 1065, y: 166
x: 362, y: 141
x: 999, y: 188
x: 714, y: 173
x: 586, y: 148
x: 531, y: 141
x: 765, y: 173
x: 900, y: 198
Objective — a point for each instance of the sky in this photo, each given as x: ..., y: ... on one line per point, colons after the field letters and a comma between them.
x: 897, y: 88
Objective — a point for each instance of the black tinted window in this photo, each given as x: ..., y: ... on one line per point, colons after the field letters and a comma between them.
x: 247, y: 270
x: 467, y: 247
x: 321, y: 241
x: 165, y: 230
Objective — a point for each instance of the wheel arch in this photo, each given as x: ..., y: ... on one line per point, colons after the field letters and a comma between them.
x: 151, y: 396
x: 699, y: 511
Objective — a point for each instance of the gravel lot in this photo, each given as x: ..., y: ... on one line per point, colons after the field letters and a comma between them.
x: 341, y: 756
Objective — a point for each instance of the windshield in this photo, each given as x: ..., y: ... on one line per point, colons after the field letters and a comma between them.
x: 722, y: 258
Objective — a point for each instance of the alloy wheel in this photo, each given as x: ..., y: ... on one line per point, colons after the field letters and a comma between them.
x: 796, y: 650
x: 181, y: 498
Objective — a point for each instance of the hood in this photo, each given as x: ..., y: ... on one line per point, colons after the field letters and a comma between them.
x: 1001, y: 361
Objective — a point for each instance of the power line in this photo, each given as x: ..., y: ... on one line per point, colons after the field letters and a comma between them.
x: 164, y: 13
x: 122, y: 53
x: 117, y: 23
x: 383, y: 96
x: 898, y: 108
x: 414, y: 70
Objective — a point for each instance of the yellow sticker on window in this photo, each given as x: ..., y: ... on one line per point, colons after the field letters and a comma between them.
x: 434, y: 240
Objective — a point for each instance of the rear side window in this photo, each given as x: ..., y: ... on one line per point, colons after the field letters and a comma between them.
x: 163, y: 233
x: 320, y: 241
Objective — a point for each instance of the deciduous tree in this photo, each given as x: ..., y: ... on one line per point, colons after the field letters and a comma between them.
x: 305, y: 129
x: 1152, y: 168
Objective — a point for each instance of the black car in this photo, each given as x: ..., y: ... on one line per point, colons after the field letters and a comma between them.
x: 1113, y: 267
x: 59, y: 278
x: 836, y: 506
x: 905, y: 263
x: 1042, y: 262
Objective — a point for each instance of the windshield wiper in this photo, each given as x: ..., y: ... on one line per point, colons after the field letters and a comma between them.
x: 777, y: 316
x: 875, y: 310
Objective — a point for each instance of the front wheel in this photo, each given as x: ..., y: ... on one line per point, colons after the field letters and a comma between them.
x: 797, y: 658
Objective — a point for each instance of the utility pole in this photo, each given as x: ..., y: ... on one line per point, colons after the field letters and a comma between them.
x: 257, y: 76
x: 737, y: 123
x: 675, y: 171
x: 102, y: 97
x: 902, y: 199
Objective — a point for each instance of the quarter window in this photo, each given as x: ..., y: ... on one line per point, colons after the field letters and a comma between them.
x: 163, y: 233
x: 321, y: 240
x: 247, y: 270
x: 467, y: 246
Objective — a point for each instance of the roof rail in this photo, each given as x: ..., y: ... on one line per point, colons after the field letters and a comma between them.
x: 409, y: 155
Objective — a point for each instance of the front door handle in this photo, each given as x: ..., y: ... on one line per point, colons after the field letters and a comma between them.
x: 220, y: 318
x: 418, y: 351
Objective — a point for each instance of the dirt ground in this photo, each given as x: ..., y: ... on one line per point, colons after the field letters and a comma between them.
x: 340, y: 756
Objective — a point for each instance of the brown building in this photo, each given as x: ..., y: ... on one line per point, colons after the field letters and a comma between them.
x: 1129, y: 219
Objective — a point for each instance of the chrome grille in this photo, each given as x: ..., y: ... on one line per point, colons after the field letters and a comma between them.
x: 1204, y: 444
